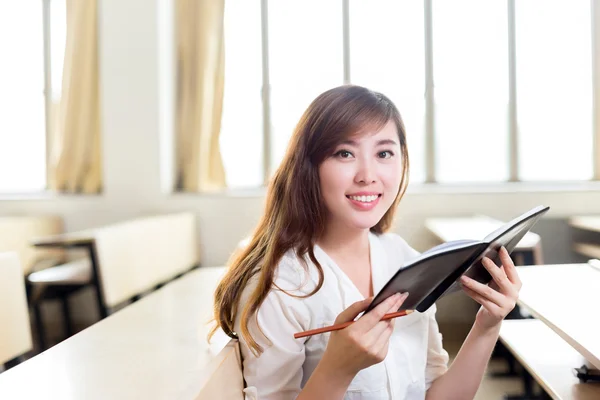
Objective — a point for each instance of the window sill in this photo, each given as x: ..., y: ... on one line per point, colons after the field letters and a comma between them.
x: 503, y: 187
x: 45, y: 195
x: 437, y: 188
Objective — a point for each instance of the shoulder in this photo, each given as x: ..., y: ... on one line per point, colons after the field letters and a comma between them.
x: 393, y: 244
x: 291, y: 279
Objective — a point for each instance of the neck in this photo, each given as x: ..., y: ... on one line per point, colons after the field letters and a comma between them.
x: 342, y: 239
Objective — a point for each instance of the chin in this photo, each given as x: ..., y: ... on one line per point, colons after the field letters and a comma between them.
x: 364, y: 223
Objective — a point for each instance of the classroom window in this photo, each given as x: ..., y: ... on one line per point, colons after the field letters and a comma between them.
x: 488, y: 92
x: 554, y: 90
x: 470, y: 74
x: 241, y: 138
x: 27, y: 89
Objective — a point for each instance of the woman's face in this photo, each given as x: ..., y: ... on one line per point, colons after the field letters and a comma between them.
x: 360, y: 181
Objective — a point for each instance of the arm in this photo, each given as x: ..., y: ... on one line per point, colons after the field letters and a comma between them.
x: 464, y: 376
x: 326, y: 383
x: 277, y: 373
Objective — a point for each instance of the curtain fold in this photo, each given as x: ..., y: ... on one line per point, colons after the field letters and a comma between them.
x: 74, y: 164
x: 199, y: 100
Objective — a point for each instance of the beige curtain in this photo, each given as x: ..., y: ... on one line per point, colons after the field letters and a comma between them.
x: 74, y: 140
x: 200, y: 83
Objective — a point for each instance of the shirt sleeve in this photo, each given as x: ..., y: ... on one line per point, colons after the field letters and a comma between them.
x: 437, y: 357
x: 276, y: 374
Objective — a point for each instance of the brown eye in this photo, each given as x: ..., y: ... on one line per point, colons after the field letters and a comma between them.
x: 385, y: 154
x: 343, y: 154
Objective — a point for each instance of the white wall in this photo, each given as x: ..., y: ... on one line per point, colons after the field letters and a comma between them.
x: 136, y: 89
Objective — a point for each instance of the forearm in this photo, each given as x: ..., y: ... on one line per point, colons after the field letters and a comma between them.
x: 464, y: 376
x: 326, y: 382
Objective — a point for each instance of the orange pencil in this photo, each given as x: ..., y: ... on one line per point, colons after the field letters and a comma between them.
x: 337, y: 327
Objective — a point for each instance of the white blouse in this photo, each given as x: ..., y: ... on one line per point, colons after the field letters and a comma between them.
x: 415, y: 357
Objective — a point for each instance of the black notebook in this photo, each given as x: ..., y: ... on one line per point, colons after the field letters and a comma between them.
x: 436, y: 271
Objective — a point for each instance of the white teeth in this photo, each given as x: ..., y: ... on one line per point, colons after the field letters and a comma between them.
x: 364, y: 199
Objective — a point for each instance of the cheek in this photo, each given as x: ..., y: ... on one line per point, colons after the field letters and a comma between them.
x: 333, y: 180
x: 391, y: 175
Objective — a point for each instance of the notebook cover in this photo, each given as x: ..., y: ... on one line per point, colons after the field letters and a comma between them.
x: 435, y: 272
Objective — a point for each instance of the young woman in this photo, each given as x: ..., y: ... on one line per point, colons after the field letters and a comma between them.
x: 319, y: 254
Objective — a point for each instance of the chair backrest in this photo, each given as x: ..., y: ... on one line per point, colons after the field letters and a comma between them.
x: 15, y: 336
x: 135, y: 256
x: 16, y: 233
x: 223, y: 378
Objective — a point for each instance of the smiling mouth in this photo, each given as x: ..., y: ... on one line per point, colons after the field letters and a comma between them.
x: 364, y: 199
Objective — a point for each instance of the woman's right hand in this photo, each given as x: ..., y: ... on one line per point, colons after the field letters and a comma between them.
x: 365, y: 342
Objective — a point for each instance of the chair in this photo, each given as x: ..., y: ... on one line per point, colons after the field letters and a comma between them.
x: 223, y: 378
x: 126, y: 260
x: 15, y: 340
x: 41, y: 267
x: 138, y: 256
x: 57, y: 282
x: 16, y: 233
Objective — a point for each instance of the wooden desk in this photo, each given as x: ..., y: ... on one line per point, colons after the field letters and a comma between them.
x: 478, y: 227
x: 586, y: 222
x: 548, y: 358
x: 153, y: 349
x: 590, y: 224
x: 565, y: 297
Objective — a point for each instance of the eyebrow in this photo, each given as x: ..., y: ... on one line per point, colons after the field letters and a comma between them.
x: 379, y: 143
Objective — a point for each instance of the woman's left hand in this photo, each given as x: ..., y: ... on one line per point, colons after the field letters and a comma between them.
x: 500, y: 296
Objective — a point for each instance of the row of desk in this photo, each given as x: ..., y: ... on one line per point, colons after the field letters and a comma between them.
x: 156, y: 348
x: 153, y: 349
x: 563, y: 299
x: 566, y: 332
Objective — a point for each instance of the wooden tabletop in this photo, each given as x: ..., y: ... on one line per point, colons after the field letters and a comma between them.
x: 586, y: 222
x: 565, y: 297
x: 65, y: 240
x: 473, y: 228
x: 153, y: 349
x: 548, y: 358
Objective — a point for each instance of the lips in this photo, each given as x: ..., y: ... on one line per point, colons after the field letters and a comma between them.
x: 364, y: 201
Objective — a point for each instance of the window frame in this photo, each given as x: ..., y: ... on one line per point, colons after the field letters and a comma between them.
x: 430, y: 155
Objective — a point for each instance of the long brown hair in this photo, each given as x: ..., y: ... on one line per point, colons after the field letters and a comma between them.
x: 295, y: 214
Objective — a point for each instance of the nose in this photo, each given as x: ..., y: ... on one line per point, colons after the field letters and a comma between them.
x: 365, y: 173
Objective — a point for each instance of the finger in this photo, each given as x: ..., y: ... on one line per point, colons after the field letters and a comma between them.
x: 351, y: 312
x: 379, y: 329
x: 489, y: 305
x: 483, y: 290
x: 509, y: 266
x: 497, y: 274
x: 382, y: 342
x: 369, y: 320
x: 383, y: 325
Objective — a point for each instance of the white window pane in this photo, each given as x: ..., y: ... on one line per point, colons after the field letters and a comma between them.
x: 58, y: 37
x: 305, y: 59
x: 470, y: 60
x: 22, y: 116
x: 554, y: 89
x: 387, y: 55
x: 241, y: 128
